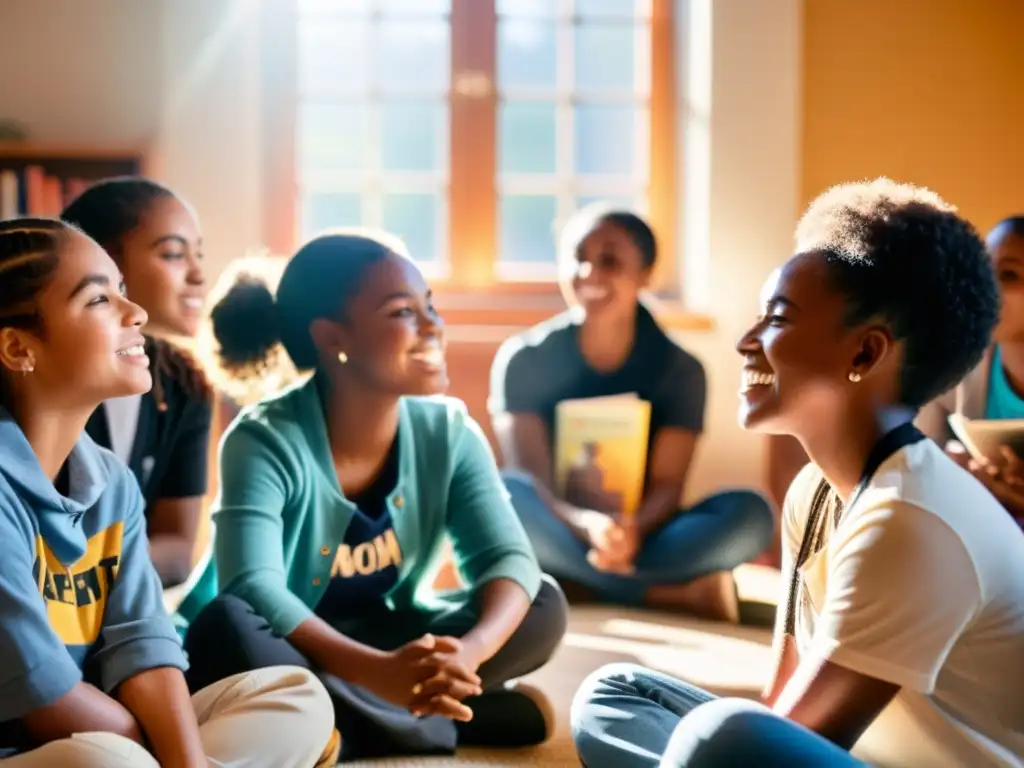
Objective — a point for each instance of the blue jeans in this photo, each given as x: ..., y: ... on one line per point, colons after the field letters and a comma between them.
x: 718, y: 534
x: 627, y: 716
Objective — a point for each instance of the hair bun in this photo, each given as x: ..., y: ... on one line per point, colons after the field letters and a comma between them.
x: 245, y: 322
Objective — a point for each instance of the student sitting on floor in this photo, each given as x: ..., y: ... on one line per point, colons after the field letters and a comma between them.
x: 903, y: 628
x: 90, y: 665
x: 991, y: 391
x: 164, y: 434
x: 336, y: 499
x: 610, y: 344
x: 995, y: 388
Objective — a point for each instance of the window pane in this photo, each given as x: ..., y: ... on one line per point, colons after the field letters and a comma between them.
x: 413, y: 55
x: 333, y: 6
x: 609, y: 7
x: 618, y: 203
x: 332, y: 137
x: 605, y: 56
x: 526, y: 138
x: 526, y: 7
x: 332, y: 56
x: 418, y: 7
x: 528, y: 228
x: 605, y: 139
x: 414, y: 218
x: 527, y: 53
x: 411, y: 136
x: 326, y: 210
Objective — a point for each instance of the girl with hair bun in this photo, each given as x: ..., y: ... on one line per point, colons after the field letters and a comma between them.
x: 336, y: 500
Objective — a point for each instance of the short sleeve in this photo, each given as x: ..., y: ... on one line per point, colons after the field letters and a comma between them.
x: 35, y: 667
x: 137, y: 634
x: 682, y: 395
x: 188, y: 463
x: 517, y: 381
x: 901, y: 588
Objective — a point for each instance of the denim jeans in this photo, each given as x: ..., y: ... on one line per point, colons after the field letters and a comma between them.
x: 717, y: 534
x: 628, y: 716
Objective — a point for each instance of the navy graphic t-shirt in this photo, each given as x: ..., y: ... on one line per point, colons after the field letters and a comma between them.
x: 366, y: 563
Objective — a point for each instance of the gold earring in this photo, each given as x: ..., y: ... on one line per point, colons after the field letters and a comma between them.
x: 854, y: 377
x: 342, y: 358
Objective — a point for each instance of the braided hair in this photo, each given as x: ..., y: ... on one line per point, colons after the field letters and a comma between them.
x: 29, y: 254
x: 107, y: 211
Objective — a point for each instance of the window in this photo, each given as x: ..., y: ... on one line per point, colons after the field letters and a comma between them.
x: 474, y: 128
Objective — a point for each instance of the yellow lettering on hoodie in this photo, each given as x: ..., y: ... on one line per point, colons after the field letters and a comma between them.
x: 76, y: 601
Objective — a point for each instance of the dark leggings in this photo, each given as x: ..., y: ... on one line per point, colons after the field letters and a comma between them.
x: 228, y: 637
x: 716, y: 534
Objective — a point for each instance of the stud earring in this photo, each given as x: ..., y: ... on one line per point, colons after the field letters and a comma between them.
x: 854, y: 377
x: 342, y: 358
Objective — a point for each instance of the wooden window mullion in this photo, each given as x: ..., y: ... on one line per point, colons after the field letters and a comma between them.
x: 664, y: 143
x: 472, y: 198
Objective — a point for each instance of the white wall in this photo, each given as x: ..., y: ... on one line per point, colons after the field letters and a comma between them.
x: 178, y: 79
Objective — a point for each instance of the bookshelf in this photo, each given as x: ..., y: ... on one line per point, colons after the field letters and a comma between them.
x: 39, y: 180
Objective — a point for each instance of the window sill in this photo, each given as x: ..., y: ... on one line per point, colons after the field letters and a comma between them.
x: 492, y: 314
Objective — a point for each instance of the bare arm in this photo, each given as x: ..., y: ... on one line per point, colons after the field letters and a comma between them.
x: 834, y: 701
x: 161, y: 703
x: 503, y: 605
x: 671, y: 456
x: 81, y: 710
x: 786, y: 661
x: 172, y: 526
x: 523, y: 439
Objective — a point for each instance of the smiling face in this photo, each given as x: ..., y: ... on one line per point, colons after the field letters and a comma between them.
x: 1007, y: 251
x: 88, y: 347
x: 392, y: 336
x: 608, y: 272
x: 799, y: 355
x: 162, y: 262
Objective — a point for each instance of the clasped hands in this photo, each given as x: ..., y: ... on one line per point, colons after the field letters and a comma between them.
x: 1004, y: 477
x: 429, y: 676
x: 614, y: 541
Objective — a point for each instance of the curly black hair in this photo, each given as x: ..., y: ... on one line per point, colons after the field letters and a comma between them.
x: 903, y: 256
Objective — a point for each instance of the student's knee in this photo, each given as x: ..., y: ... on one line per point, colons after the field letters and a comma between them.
x: 221, y: 618
x: 298, y: 693
x: 95, y: 750
x: 553, y: 621
x: 618, y: 679
x: 753, y: 519
x: 522, y: 491
x: 723, y: 733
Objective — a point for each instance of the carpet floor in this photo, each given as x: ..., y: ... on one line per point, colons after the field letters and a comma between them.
x: 727, y: 660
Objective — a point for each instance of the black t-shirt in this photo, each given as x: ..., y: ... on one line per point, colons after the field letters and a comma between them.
x: 543, y: 366
x: 365, y: 565
x: 170, y: 453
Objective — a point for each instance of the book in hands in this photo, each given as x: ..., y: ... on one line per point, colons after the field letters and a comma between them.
x: 983, y: 438
x: 601, y: 452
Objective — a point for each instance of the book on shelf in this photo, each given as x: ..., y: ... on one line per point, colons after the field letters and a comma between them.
x: 601, y: 452
x: 42, y: 182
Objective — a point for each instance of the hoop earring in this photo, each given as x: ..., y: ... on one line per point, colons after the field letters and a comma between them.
x: 342, y: 358
x: 854, y: 377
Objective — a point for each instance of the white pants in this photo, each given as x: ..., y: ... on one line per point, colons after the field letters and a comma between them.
x: 278, y: 717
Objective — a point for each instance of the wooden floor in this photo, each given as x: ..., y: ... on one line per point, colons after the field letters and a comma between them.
x: 726, y: 660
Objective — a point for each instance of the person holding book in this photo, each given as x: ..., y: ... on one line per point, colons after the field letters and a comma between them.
x: 609, y: 344
x: 163, y: 435
x: 337, y: 497
x: 901, y: 633
x: 995, y: 388
x: 90, y: 664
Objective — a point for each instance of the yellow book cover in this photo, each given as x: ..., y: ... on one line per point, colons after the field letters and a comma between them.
x: 601, y: 452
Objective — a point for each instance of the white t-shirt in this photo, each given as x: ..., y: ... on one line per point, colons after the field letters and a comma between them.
x: 922, y: 585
